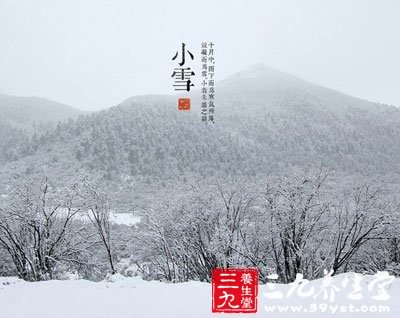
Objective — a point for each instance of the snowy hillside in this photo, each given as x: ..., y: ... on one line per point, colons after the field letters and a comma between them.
x: 132, y: 297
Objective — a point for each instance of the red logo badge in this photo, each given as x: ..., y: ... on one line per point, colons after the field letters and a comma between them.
x: 184, y: 103
x: 234, y: 290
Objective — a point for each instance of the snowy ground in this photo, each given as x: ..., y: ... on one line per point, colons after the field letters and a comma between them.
x: 117, y: 218
x: 133, y: 297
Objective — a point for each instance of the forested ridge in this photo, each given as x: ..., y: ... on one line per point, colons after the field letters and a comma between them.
x: 264, y: 129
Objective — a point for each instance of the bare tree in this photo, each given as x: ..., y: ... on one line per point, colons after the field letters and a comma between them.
x: 359, y: 218
x: 297, y: 218
x: 99, y: 210
x: 36, y: 228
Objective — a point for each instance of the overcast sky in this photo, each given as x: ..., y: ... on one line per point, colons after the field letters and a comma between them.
x: 93, y: 54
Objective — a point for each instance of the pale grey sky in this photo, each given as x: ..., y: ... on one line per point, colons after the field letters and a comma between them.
x: 93, y: 54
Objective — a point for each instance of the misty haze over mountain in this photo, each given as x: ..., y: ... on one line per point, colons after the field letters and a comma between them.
x: 266, y: 121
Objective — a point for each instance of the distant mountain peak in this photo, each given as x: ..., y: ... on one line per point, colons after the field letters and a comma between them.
x: 263, y: 87
x: 260, y: 68
x: 22, y: 112
x: 262, y: 77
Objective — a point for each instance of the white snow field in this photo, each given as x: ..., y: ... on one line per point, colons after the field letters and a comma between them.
x: 128, y: 219
x: 121, y: 297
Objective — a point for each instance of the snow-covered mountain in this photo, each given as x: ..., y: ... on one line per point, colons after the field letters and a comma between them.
x: 23, y: 112
x: 266, y: 121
